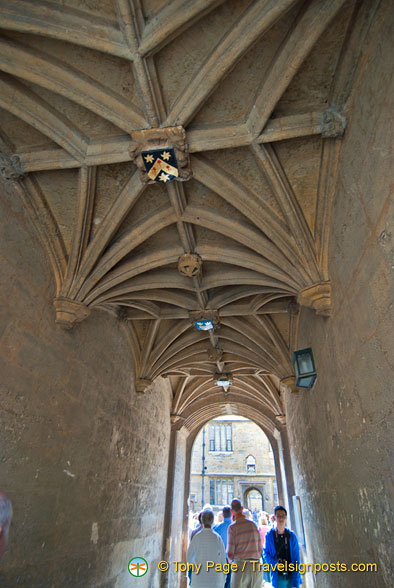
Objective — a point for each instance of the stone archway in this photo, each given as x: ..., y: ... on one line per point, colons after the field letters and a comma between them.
x: 185, y: 428
x: 253, y: 498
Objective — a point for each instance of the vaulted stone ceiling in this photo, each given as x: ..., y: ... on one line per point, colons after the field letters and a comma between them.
x: 261, y: 89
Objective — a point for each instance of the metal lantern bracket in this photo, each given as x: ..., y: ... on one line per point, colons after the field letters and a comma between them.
x: 304, y: 367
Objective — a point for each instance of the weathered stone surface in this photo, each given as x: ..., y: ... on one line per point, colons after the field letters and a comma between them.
x: 82, y: 458
x: 341, y: 432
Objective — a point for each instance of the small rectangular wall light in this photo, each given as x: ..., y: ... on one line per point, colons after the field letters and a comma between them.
x: 304, y: 367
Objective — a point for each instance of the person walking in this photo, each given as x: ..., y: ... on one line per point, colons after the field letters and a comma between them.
x: 206, y: 546
x: 198, y: 527
x: 244, y: 549
x: 222, y: 531
x: 281, y: 546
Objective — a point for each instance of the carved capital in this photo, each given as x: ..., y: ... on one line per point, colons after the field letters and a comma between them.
x: 333, y: 124
x: 69, y: 312
x: 167, y: 138
x: 317, y: 297
x: 141, y: 385
x: 11, y: 167
x: 176, y: 418
x: 281, y: 418
x: 289, y: 383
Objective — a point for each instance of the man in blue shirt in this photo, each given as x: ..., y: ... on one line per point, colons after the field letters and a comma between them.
x: 222, y: 530
x: 281, y: 547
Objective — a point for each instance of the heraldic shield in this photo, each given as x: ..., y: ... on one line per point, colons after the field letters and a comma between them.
x: 161, y: 164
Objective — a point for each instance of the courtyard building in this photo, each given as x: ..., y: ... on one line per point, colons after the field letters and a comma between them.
x: 232, y: 458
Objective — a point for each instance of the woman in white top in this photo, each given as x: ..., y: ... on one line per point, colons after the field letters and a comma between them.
x: 206, y: 546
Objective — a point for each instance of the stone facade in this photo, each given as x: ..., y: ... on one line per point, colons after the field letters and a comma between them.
x: 236, y: 463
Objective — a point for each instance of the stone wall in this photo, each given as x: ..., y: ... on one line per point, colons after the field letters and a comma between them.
x: 83, y: 459
x: 342, y: 431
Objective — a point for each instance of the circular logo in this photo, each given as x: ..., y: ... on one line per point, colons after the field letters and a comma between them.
x: 138, y: 566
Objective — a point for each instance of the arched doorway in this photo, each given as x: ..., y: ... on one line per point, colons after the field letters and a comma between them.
x: 186, y: 427
x: 254, y: 499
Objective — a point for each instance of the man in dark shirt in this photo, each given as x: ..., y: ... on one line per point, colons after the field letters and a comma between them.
x: 282, y: 546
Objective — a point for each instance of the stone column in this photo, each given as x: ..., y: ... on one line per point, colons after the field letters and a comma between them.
x: 174, y: 519
x: 285, y: 482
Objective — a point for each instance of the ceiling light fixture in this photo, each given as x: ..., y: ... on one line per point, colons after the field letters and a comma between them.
x: 224, y: 381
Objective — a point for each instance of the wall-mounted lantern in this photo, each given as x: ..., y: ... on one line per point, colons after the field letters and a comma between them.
x: 304, y: 367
